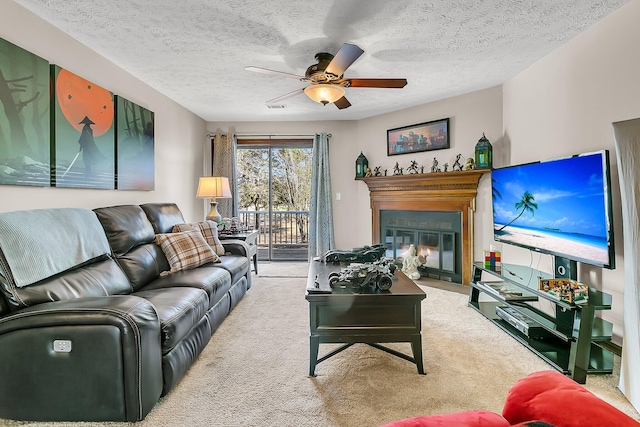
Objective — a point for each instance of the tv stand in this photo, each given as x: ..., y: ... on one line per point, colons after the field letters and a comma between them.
x: 565, y: 268
x: 567, y: 338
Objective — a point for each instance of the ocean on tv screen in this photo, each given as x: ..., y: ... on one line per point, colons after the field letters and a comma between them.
x: 573, y: 245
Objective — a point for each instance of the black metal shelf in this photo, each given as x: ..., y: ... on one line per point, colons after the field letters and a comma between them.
x: 571, y: 340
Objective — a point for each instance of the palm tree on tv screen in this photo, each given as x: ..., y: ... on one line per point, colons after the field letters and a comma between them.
x: 495, y: 193
x: 526, y: 204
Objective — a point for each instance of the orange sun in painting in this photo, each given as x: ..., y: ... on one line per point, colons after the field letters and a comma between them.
x: 79, y: 98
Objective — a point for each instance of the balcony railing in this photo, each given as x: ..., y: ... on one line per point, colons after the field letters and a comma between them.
x: 287, y: 236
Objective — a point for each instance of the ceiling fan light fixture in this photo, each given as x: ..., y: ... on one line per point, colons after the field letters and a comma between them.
x: 324, y: 93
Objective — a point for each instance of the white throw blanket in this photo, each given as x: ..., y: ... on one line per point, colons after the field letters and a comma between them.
x: 41, y: 243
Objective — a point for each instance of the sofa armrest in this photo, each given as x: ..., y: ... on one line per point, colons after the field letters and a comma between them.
x: 556, y: 399
x: 90, y: 359
x: 236, y: 247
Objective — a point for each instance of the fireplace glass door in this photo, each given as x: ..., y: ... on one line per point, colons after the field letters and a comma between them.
x: 434, y: 236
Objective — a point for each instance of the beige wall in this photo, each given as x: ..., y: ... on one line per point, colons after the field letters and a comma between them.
x: 565, y: 104
x: 341, y: 160
x: 561, y: 105
x: 179, y: 134
x: 470, y: 115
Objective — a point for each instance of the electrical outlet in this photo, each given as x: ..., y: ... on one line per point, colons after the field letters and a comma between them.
x: 62, y: 346
x: 338, y: 196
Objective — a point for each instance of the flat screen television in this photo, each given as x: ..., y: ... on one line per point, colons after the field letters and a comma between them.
x: 560, y: 207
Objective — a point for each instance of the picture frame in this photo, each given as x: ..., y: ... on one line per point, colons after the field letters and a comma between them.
x: 427, y: 136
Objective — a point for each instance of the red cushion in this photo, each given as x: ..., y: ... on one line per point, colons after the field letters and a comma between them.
x: 459, y: 419
x: 556, y: 399
x: 533, y: 424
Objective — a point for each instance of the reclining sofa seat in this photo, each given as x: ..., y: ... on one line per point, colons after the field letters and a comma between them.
x: 191, y: 304
x: 125, y: 335
x: 112, y: 369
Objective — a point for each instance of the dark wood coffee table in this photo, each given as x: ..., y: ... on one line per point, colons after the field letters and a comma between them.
x: 371, y: 317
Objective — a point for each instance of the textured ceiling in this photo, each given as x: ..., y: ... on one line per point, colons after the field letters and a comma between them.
x: 195, y: 51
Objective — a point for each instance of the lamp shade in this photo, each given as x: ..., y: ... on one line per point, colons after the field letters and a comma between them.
x: 324, y: 93
x: 213, y: 186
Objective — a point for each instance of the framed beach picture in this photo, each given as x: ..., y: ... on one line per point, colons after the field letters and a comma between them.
x: 426, y: 136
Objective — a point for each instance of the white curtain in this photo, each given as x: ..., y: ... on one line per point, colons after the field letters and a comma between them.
x: 627, y: 138
x: 224, y: 164
x: 320, y: 210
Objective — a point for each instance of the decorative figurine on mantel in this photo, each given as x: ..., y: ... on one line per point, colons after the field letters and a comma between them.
x: 376, y: 171
x: 457, y: 166
x: 413, y: 168
x: 410, y: 264
x: 368, y: 173
x: 397, y: 170
x: 469, y: 166
x: 434, y: 167
x: 446, y: 167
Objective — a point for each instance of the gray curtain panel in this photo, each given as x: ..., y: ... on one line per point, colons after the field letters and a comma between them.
x: 224, y: 164
x: 320, y: 209
x: 627, y: 141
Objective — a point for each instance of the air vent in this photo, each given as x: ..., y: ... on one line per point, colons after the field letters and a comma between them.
x: 276, y: 106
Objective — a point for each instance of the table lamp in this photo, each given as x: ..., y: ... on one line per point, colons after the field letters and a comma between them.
x: 213, y: 186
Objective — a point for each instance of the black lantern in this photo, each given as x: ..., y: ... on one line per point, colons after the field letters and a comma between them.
x: 484, y: 154
x: 362, y: 164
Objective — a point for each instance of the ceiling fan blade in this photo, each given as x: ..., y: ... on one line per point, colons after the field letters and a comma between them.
x: 277, y: 73
x: 285, y: 96
x: 381, y: 83
x: 346, y: 56
x: 342, y: 103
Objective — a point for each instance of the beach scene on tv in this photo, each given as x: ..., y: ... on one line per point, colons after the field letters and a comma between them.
x: 558, y: 206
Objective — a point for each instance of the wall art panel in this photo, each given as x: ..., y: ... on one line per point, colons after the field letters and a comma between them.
x: 24, y: 117
x: 134, y: 146
x: 83, y: 149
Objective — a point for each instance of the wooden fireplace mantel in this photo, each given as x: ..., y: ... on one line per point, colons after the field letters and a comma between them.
x: 437, y: 191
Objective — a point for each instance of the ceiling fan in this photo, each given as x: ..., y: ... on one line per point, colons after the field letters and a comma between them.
x: 326, y: 78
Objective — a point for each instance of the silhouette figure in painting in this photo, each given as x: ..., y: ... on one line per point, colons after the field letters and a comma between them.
x: 91, y: 154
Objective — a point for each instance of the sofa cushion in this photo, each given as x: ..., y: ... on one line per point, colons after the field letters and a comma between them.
x: 209, y: 230
x: 185, y: 250
x: 178, y: 309
x: 545, y: 395
x: 126, y: 227
x: 99, y: 277
x: 163, y: 216
x: 215, y: 281
x: 459, y: 419
x: 236, y: 265
x: 143, y: 264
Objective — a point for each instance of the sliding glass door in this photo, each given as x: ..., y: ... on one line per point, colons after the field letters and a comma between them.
x: 274, y: 189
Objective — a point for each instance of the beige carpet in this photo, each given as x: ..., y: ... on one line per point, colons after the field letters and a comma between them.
x: 254, y: 370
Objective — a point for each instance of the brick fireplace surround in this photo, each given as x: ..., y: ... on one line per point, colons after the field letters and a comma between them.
x: 438, y: 191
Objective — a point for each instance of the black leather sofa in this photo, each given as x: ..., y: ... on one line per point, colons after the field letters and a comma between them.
x: 105, y: 338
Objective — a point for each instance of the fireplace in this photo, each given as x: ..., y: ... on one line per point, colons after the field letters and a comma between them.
x: 436, y: 237
x: 434, y: 193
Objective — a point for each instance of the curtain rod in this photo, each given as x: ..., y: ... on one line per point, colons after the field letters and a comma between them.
x: 242, y: 135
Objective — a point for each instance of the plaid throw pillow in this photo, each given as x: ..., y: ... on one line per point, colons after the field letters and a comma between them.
x: 185, y: 250
x: 209, y: 230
